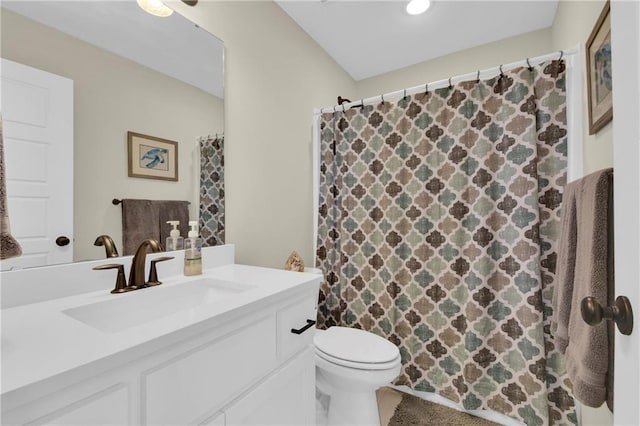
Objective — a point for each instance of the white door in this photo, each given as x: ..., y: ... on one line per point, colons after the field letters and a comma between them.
x: 37, y: 113
x: 625, y: 39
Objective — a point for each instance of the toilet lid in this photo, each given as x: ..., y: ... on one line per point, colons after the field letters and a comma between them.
x: 354, y: 345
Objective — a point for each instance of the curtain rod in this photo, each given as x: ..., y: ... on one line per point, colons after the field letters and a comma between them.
x: 448, y: 81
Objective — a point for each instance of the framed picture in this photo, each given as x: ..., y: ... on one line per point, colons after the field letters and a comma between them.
x: 599, y: 77
x: 151, y: 157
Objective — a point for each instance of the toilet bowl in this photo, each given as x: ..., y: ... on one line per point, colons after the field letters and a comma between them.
x: 350, y: 365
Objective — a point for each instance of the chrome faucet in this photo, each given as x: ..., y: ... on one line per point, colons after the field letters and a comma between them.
x: 109, y: 246
x: 136, y: 276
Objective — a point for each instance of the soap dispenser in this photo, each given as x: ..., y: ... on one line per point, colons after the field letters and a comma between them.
x: 174, y: 240
x: 192, y: 251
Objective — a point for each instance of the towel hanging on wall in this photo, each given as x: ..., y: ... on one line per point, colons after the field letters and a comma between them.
x: 142, y: 219
x: 585, y: 269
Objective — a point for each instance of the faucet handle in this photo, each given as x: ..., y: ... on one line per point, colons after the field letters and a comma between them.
x: 121, y: 280
x: 153, y: 273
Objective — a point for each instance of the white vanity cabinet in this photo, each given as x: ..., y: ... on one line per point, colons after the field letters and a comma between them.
x: 286, y: 397
x: 245, y: 368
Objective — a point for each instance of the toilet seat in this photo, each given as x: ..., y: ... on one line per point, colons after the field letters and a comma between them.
x: 354, y: 348
x: 358, y: 365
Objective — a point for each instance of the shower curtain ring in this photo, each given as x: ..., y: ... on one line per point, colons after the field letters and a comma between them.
x: 478, y: 77
x: 501, y: 73
x: 450, y: 86
x: 529, y: 65
x: 382, y: 97
x: 426, y: 88
x: 561, y: 54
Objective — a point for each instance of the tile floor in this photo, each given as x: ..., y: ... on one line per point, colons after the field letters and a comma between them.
x: 388, y: 400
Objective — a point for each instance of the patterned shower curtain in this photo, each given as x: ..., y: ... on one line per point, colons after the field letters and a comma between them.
x: 439, y: 215
x: 212, y: 190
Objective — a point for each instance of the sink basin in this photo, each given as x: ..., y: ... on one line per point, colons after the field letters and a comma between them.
x: 128, y: 310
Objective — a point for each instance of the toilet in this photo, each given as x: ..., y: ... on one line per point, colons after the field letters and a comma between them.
x: 350, y: 365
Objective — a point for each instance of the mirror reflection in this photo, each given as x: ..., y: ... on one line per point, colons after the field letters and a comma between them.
x: 94, y: 73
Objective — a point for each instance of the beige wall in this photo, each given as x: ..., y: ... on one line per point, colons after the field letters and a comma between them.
x: 113, y: 95
x: 572, y: 25
x: 486, y: 56
x: 275, y: 74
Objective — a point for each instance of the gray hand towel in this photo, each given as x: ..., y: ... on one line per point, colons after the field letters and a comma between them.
x: 9, y: 246
x: 583, y: 271
x: 563, y: 290
x: 142, y: 219
x: 173, y: 210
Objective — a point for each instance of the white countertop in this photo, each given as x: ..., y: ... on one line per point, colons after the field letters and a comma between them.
x: 39, y: 341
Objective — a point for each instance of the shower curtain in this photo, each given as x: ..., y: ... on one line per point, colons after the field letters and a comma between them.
x: 438, y: 219
x: 212, y: 190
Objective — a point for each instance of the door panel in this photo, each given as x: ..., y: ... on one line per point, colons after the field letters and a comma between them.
x: 625, y: 39
x: 37, y: 112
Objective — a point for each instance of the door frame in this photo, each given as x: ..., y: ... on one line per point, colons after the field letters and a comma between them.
x: 625, y: 41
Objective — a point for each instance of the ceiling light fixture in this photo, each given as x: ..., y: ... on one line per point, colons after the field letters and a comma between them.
x: 416, y: 7
x: 155, y: 7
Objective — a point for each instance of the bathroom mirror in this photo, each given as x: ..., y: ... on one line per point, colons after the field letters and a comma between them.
x: 131, y: 72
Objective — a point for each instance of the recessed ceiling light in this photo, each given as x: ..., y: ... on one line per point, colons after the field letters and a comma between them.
x: 155, y: 7
x: 416, y: 7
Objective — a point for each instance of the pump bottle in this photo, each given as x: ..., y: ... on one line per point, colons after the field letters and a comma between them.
x: 192, y: 251
x: 174, y: 240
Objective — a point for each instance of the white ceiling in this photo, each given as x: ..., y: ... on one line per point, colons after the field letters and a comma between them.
x: 173, y: 46
x: 369, y: 38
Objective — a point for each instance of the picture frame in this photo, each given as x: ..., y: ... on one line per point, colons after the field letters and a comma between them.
x: 150, y: 157
x: 599, y: 76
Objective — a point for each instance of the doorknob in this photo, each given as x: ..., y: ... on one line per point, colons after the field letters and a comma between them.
x: 62, y: 241
x: 593, y: 313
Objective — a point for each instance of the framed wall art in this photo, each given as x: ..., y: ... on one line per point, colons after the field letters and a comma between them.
x: 151, y: 157
x: 599, y: 77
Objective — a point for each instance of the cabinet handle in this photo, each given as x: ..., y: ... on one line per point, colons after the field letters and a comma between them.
x: 310, y: 323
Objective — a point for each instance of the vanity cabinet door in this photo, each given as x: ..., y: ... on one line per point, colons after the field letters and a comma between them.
x: 286, y: 397
x: 186, y: 387
x: 296, y: 316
